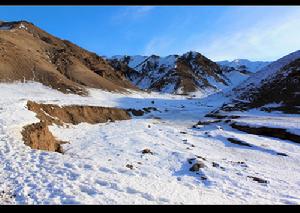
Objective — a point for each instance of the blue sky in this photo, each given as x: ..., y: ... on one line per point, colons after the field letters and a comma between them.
x: 218, y: 32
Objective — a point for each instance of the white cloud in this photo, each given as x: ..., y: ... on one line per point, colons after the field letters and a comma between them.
x: 158, y: 45
x: 142, y: 10
x: 266, y: 40
x: 132, y: 13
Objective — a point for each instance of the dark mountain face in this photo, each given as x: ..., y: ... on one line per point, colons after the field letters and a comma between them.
x: 122, y: 67
x: 278, y: 85
x: 194, y: 71
x: 282, y: 89
x: 29, y: 53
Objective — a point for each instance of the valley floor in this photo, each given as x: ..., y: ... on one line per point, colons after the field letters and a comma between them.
x: 104, y: 163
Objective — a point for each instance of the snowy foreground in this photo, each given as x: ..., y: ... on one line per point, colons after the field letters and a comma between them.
x: 93, y: 169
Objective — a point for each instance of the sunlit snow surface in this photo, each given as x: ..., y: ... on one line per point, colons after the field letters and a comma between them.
x: 93, y: 169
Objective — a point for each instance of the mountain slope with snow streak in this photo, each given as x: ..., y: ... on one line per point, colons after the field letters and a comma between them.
x: 277, y: 84
x: 270, y: 70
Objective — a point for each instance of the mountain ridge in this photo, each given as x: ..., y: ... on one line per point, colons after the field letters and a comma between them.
x: 251, y: 66
x: 276, y: 84
x: 30, y: 53
x: 174, y: 73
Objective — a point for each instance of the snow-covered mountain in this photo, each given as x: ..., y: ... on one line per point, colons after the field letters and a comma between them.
x: 188, y: 73
x: 244, y: 64
x: 278, y: 83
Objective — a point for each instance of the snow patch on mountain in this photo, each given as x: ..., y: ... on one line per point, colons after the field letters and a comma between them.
x: 132, y: 61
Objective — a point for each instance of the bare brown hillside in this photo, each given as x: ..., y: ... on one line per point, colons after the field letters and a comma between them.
x: 29, y: 53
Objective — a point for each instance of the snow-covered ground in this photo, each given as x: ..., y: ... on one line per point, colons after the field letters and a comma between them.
x: 93, y: 169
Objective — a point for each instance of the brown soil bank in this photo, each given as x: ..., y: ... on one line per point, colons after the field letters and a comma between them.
x: 29, y: 53
x: 38, y: 136
x: 76, y: 114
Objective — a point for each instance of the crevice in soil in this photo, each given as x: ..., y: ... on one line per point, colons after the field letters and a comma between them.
x: 267, y: 131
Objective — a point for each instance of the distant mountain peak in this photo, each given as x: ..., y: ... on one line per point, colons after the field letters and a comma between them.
x: 241, y: 60
x: 251, y: 66
x: 179, y: 74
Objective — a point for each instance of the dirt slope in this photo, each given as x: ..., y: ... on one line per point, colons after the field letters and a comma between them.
x: 38, y: 136
x: 29, y: 53
x: 75, y: 114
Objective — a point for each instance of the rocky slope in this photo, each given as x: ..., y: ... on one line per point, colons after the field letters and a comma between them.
x: 277, y: 86
x: 29, y: 53
x: 188, y: 73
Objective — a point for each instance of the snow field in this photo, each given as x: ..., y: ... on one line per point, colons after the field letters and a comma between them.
x: 93, y: 169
